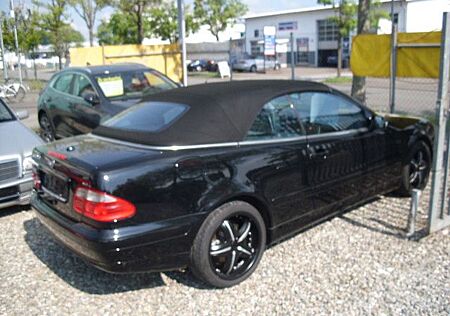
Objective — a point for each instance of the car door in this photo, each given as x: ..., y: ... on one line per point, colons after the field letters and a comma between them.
x: 85, y: 115
x: 276, y: 150
x: 335, y: 129
x: 57, y: 102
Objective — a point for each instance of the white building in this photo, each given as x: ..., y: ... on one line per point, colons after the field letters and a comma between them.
x: 315, y: 36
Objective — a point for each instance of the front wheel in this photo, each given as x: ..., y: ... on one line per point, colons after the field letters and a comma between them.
x: 47, y: 133
x: 416, y: 171
x: 229, y: 245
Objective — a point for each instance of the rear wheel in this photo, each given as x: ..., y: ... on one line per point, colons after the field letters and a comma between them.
x: 253, y: 68
x: 20, y: 94
x: 417, y: 170
x: 229, y: 245
x: 47, y: 133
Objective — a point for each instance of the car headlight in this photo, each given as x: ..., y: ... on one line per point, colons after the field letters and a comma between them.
x: 27, y: 164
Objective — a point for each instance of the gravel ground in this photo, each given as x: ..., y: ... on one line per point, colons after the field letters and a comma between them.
x: 358, y: 263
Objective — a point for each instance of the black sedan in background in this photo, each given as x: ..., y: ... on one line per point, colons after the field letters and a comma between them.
x: 208, y: 176
x: 77, y: 99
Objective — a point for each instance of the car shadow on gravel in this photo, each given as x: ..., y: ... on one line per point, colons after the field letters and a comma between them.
x: 78, y: 274
x: 13, y: 210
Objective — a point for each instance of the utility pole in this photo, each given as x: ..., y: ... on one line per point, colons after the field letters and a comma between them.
x: 2, y: 47
x: 13, y: 15
x: 181, y: 38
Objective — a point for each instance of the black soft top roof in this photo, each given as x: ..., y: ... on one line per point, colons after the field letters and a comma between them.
x: 218, y: 112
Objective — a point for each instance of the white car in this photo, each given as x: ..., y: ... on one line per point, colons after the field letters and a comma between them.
x: 16, y: 145
x: 254, y: 64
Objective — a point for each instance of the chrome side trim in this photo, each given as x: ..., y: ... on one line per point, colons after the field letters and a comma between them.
x: 233, y: 144
x: 162, y: 148
x: 304, y: 137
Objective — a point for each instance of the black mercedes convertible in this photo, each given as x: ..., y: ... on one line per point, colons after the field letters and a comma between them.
x: 207, y: 176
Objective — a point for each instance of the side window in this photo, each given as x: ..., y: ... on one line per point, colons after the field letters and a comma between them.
x: 82, y: 85
x: 325, y: 112
x: 63, y: 83
x: 277, y: 119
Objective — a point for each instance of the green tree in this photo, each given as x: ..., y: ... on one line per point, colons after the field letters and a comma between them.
x: 369, y: 14
x: 345, y: 20
x: 29, y: 34
x: 163, y: 21
x: 87, y: 10
x: 138, y: 13
x: 218, y: 14
x: 60, y: 33
x: 118, y: 29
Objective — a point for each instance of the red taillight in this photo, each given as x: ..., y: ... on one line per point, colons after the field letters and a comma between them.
x: 36, y: 180
x: 57, y: 155
x: 100, y: 206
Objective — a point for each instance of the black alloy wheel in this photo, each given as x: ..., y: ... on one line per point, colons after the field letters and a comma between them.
x: 416, y: 169
x: 234, y: 246
x: 47, y: 133
x: 229, y: 245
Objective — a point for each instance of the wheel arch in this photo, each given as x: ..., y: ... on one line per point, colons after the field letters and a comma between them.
x: 258, y: 204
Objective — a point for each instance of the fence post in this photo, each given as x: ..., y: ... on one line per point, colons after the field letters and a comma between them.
x: 415, y: 199
x: 393, y: 67
x: 292, y: 57
x: 230, y: 61
x: 103, y: 54
x: 5, y: 71
x: 181, y: 38
x: 435, y: 215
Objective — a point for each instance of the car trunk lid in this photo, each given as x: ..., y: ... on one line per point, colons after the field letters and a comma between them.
x: 64, y: 165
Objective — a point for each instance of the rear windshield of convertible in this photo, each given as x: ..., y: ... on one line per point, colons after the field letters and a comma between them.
x: 147, y: 117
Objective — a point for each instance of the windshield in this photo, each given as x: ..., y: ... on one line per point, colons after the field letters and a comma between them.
x: 132, y: 84
x: 147, y: 117
x: 5, y: 113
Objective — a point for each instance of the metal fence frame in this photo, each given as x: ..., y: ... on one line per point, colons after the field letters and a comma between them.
x: 439, y: 212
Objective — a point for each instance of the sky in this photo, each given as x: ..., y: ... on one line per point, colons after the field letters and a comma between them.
x: 254, y: 6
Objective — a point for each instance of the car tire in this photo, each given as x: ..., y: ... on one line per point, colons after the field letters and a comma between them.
x: 253, y: 68
x: 198, y: 68
x: 47, y: 133
x: 277, y: 67
x: 416, y: 171
x: 229, y: 245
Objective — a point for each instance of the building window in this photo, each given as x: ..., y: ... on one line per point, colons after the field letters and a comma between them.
x: 395, y: 18
x: 328, y: 30
x: 256, y: 33
x: 287, y: 26
x: 256, y: 48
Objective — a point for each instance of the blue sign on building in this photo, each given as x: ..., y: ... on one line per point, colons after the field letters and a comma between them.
x: 269, y: 45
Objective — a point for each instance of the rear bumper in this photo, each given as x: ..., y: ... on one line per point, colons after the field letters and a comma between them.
x: 20, y: 192
x: 158, y: 246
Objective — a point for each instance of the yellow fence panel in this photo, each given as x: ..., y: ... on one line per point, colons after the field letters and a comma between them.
x: 370, y: 55
x: 164, y: 58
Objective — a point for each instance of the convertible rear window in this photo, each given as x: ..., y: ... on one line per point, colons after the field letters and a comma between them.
x: 147, y: 117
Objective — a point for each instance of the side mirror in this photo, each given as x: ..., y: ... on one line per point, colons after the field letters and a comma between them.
x: 22, y: 114
x: 91, y: 98
x: 380, y: 122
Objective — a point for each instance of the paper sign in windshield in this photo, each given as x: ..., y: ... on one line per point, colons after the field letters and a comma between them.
x: 111, y: 86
